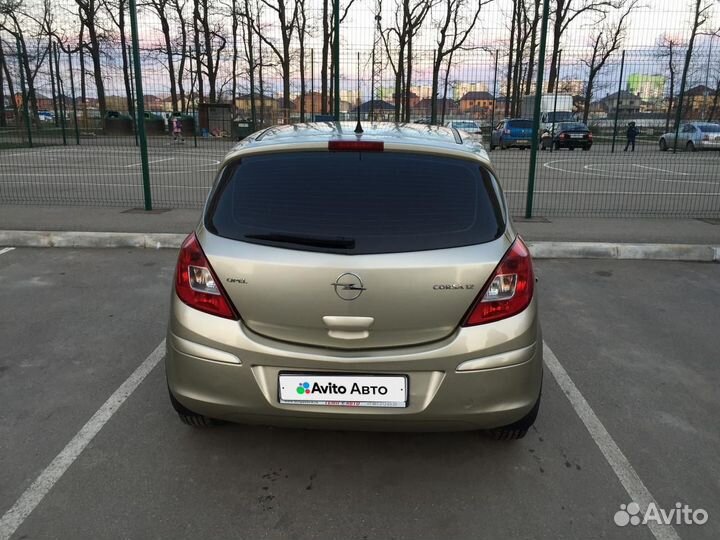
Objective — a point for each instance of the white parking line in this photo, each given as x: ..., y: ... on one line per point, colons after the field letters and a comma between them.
x: 151, y: 161
x: 661, y: 170
x: 616, y: 459
x: 6, y: 250
x: 33, y: 495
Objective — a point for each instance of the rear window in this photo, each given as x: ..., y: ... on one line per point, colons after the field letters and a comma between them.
x: 709, y: 128
x: 521, y: 124
x: 464, y: 125
x: 572, y: 126
x: 356, y: 203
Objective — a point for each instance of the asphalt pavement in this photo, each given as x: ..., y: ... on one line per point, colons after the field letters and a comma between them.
x: 638, y: 339
x: 598, y: 183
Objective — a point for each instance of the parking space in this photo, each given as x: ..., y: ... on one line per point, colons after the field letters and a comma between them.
x: 638, y: 339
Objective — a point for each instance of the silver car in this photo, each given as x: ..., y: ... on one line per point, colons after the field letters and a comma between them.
x: 352, y: 280
x: 693, y: 136
x: 472, y: 127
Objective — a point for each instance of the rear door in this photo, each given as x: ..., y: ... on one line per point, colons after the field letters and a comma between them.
x: 354, y: 249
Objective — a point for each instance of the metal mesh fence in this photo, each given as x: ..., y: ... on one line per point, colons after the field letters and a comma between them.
x: 213, y: 72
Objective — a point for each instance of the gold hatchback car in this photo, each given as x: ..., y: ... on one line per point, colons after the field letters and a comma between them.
x: 363, y: 277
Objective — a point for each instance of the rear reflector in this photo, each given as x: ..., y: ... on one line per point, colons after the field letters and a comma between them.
x: 356, y: 146
x: 196, y: 283
x: 509, y: 289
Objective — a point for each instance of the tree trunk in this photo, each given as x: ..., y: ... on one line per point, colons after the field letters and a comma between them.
x: 198, y: 63
x: 533, y: 47
x: 211, y: 73
x: 557, y: 34
x: 125, y: 60
x: 408, y: 79
x: 165, y: 27
x: 511, y: 50
x: 324, y: 59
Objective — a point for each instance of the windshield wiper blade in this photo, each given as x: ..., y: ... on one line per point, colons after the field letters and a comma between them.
x: 338, y: 242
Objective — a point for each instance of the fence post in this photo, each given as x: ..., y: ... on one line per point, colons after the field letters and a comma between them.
x: 557, y: 85
x: 26, y: 113
x: 74, y: 100
x: 536, y: 111
x: 336, y: 57
x: 617, y: 102
x: 492, y: 112
x: 61, y: 92
x: 140, y: 106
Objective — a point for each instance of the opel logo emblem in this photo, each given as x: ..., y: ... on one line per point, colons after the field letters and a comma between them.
x: 348, y: 286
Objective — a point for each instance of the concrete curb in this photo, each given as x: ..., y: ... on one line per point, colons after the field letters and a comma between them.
x: 90, y: 239
x: 540, y: 250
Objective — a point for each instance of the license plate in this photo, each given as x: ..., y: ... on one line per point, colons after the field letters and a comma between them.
x: 343, y: 390
x: 576, y: 135
x: 522, y: 141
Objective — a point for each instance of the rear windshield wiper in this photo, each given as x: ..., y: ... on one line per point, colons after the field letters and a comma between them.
x: 338, y: 242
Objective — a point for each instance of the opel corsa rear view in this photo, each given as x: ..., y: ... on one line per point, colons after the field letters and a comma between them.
x: 365, y: 278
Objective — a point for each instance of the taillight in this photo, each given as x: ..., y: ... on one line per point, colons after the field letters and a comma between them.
x: 589, y: 136
x: 564, y: 135
x: 196, y: 283
x: 509, y: 289
x: 356, y: 146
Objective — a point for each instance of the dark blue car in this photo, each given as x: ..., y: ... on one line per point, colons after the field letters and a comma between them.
x: 512, y: 133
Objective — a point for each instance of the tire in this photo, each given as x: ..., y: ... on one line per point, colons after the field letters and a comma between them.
x: 189, y: 417
x: 663, y: 145
x: 586, y: 148
x: 502, y: 146
x: 691, y: 147
x: 517, y: 430
x: 571, y: 148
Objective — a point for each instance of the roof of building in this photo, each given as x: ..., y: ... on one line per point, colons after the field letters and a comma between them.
x: 487, y: 96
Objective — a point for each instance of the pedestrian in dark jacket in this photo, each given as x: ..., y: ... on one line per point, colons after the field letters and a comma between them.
x: 632, y: 133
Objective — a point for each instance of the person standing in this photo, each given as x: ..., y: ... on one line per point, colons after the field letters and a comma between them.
x: 632, y: 133
x: 177, y: 129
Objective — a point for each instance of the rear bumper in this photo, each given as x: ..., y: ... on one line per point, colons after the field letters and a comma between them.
x: 236, y: 377
x: 574, y: 144
x: 708, y: 145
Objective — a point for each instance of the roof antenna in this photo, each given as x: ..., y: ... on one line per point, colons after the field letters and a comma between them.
x: 358, y: 127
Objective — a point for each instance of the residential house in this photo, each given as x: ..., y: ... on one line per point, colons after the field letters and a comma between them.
x: 424, y: 107
x: 375, y: 109
x: 629, y: 104
x: 477, y: 104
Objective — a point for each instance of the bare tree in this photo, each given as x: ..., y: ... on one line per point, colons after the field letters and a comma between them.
x: 302, y: 34
x: 14, y: 21
x: 11, y: 91
x: 116, y: 10
x: 88, y: 11
x: 287, y: 19
x: 605, y: 42
x: 181, y: 45
x: 454, y: 30
x: 161, y: 9
x: 667, y: 50
x: 701, y: 15
x: 533, y: 47
x: 409, y: 16
x: 565, y: 12
x: 328, y: 40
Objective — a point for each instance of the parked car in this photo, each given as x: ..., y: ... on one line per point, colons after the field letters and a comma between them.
x: 693, y: 136
x: 512, y: 133
x: 46, y: 116
x: 469, y: 126
x: 570, y: 135
x: 365, y: 281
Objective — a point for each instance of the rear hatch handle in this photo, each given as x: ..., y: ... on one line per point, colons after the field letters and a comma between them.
x: 342, y: 327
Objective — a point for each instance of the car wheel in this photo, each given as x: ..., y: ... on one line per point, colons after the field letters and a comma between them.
x: 517, y: 430
x: 502, y: 146
x: 663, y: 145
x: 571, y: 148
x: 189, y: 417
x: 691, y: 147
x: 556, y: 145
